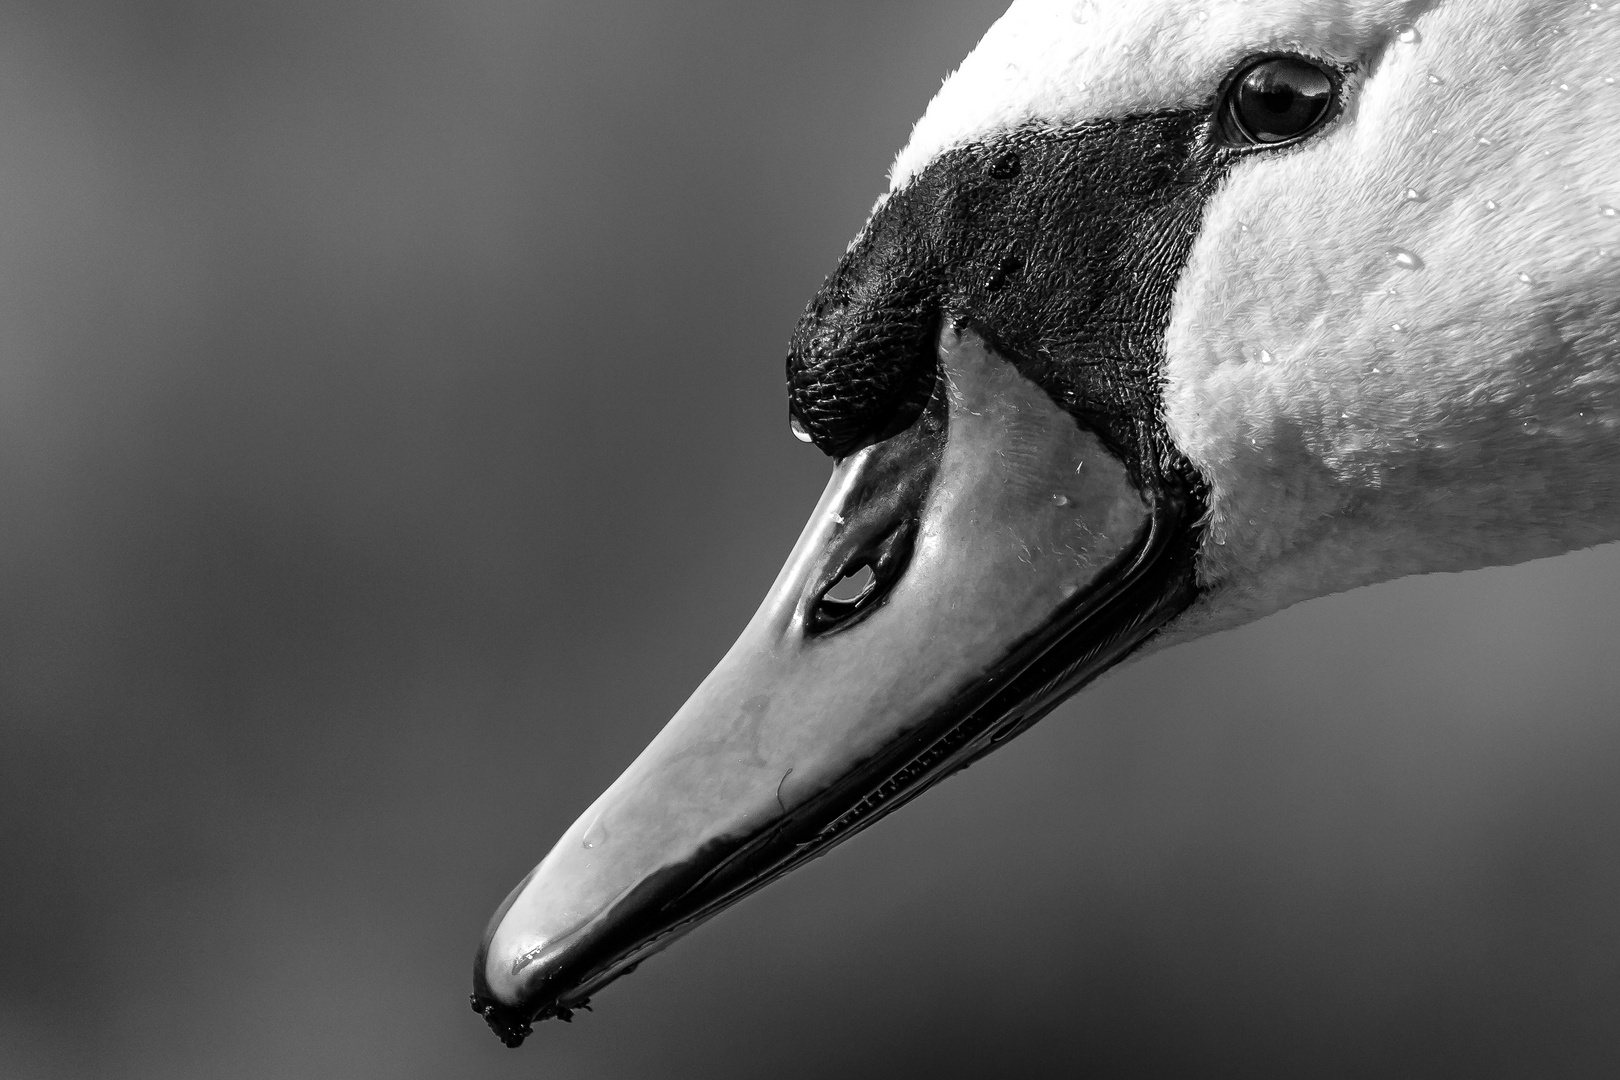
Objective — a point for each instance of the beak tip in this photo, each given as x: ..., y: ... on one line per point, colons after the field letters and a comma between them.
x: 498, y: 988
x: 511, y: 995
x: 508, y: 1024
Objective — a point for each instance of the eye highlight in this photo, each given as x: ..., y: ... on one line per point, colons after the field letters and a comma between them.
x: 1277, y: 100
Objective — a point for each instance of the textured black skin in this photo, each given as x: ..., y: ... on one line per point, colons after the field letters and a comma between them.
x: 1061, y: 247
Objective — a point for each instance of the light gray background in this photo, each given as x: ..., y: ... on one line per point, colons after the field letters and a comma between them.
x: 392, y: 434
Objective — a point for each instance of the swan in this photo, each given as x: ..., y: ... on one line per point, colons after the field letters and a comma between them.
x: 1173, y: 315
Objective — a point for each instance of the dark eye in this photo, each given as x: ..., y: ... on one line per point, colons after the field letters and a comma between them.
x: 1276, y: 101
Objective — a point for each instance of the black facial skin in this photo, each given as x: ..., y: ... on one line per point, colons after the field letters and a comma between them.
x: 1062, y: 249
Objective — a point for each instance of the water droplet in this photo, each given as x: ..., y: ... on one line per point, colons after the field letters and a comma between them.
x: 1006, y: 165
x: 1407, y: 34
x: 1243, y: 226
x: 798, y: 429
x: 1608, y: 211
x: 1565, y: 88
x: 1525, y: 279
x: 1375, y: 371
x: 838, y: 519
x: 1491, y: 206
x: 1608, y: 80
x: 1399, y: 328
x: 1061, y: 500
x: 1202, y: 16
x: 1435, y: 80
x: 596, y: 835
x: 1594, y: 7
x: 1406, y: 260
x: 1412, y: 194
x: 1266, y: 357
x: 1482, y: 140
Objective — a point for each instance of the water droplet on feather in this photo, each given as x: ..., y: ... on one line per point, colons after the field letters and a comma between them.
x: 1406, y: 260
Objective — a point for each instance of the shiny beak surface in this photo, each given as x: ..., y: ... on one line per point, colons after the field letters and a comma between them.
x: 1012, y: 558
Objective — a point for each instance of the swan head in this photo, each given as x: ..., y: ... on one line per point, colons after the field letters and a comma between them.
x: 1170, y: 317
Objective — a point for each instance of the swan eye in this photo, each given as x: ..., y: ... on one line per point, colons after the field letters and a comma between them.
x: 1277, y: 101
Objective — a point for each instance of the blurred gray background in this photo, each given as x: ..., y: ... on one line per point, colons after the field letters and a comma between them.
x: 392, y: 434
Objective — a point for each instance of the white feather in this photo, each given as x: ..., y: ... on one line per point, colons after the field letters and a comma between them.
x: 1457, y: 415
x: 1059, y: 62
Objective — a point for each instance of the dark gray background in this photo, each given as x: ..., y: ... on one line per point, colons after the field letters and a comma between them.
x: 392, y: 434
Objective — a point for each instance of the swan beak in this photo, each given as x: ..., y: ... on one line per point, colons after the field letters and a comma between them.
x: 1012, y: 558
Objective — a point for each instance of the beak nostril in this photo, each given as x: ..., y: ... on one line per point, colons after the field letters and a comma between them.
x: 852, y: 586
x: 848, y: 597
x: 863, y: 582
